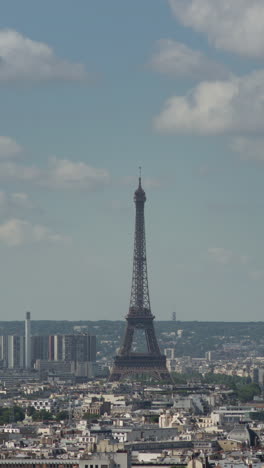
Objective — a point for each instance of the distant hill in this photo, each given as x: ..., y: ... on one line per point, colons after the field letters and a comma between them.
x: 195, y: 339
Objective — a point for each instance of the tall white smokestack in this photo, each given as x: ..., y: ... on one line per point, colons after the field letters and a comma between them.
x: 27, y: 341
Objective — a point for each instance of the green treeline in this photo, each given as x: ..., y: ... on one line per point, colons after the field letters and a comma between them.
x: 13, y: 414
x: 258, y: 416
x: 44, y: 415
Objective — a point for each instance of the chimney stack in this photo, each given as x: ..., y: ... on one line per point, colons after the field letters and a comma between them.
x: 27, y: 341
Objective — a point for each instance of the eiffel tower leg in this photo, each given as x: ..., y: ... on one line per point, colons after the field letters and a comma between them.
x: 115, y: 375
x: 151, y: 339
x: 128, y: 340
x: 165, y: 377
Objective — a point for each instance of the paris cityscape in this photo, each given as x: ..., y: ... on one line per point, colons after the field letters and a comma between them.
x: 131, y: 234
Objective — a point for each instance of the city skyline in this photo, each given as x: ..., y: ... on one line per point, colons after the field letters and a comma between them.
x: 90, y: 93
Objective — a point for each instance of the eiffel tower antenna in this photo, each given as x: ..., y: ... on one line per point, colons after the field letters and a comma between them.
x: 140, y: 316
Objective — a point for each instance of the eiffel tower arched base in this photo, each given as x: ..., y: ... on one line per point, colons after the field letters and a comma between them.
x: 138, y: 364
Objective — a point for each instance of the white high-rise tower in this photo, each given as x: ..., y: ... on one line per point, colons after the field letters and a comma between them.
x: 27, y: 341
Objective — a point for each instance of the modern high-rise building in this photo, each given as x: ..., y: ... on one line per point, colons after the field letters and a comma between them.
x: 68, y: 348
x: 92, y: 348
x: 4, y: 350
x: 79, y: 348
x: 39, y: 347
x: 51, y: 348
x: 15, y: 349
x: 58, y: 339
x: 73, y: 347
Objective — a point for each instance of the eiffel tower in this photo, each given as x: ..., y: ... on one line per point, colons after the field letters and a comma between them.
x: 152, y: 362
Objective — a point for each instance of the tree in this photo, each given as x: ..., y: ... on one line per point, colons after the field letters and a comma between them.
x: 154, y: 418
x: 19, y: 414
x: 62, y: 415
x: 247, y: 392
x: 12, y: 414
x: 90, y: 417
x: 42, y: 415
x: 30, y: 410
x: 257, y: 416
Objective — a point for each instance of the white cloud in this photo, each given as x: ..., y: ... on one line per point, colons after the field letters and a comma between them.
x: 233, y: 105
x: 24, y: 59
x: 16, y: 232
x: 256, y: 275
x: 225, y: 256
x: 15, y: 171
x: 232, y: 25
x: 249, y: 149
x: 14, y: 202
x: 3, y: 201
x: 176, y: 59
x: 8, y: 147
x: 20, y: 198
x: 60, y: 173
x: 63, y: 173
x: 220, y: 255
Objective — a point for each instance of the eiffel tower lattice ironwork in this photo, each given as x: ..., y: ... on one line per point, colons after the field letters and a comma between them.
x: 151, y: 362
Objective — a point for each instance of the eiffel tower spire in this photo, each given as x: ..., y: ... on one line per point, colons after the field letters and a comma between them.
x: 139, y: 315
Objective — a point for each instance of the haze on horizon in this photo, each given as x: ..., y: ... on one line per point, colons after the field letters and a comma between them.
x: 88, y: 93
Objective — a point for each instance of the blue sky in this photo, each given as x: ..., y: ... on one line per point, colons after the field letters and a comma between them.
x: 91, y: 90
